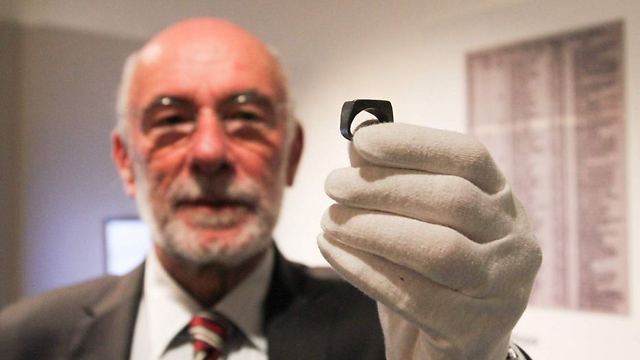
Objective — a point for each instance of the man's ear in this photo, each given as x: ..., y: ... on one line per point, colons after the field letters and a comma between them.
x: 295, y: 153
x: 124, y: 163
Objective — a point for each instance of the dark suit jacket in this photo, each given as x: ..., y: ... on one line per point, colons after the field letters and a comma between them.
x: 306, y: 317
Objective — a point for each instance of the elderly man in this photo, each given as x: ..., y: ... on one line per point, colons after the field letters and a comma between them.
x: 206, y: 143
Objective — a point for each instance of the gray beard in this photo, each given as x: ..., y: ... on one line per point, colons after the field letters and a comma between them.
x: 181, y: 241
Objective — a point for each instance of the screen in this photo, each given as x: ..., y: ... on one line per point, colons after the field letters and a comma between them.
x: 127, y: 242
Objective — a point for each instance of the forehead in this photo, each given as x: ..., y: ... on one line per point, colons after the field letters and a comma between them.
x: 205, y: 66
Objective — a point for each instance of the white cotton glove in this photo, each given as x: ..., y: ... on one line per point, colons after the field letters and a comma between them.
x: 427, y: 226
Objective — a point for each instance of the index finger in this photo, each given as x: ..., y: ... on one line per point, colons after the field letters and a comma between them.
x: 437, y: 151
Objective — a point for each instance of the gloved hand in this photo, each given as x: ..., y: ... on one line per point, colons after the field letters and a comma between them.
x: 427, y: 226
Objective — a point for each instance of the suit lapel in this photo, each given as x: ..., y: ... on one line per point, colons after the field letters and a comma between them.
x: 298, y: 318
x: 298, y: 321
x: 106, y: 331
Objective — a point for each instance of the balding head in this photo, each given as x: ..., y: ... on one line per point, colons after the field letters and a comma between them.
x: 205, y: 142
x: 204, y: 42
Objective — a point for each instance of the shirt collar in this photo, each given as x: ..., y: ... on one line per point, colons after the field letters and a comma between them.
x: 243, y: 305
x: 170, y: 307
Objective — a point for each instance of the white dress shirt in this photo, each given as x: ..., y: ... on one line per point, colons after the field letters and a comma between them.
x: 166, y: 309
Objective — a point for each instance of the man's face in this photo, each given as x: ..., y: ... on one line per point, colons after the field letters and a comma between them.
x: 208, y: 147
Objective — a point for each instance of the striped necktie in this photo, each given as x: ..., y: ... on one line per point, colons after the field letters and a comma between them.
x: 207, y: 335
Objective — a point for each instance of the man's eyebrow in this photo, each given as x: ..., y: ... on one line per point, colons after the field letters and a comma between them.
x: 168, y: 100
x: 249, y: 97
x: 162, y: 101
x: 244, y: 97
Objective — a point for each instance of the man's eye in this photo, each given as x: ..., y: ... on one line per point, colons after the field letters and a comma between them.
x: 170, y: 120
x: 248, y: 116
x: 171, y: 117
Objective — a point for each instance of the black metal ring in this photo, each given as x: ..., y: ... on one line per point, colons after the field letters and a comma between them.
x: 381, y: 109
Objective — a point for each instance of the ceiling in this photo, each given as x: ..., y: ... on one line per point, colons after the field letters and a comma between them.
x: 140, y: 19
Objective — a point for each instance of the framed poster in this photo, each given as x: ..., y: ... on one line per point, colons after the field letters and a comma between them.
x: 552, y: 112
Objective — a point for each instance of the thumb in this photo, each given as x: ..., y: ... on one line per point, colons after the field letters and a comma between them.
x: 354, y: 157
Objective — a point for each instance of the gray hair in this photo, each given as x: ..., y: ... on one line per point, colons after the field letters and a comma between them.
x: 123, y: 95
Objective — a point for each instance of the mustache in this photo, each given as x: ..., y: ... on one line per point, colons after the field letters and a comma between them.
x: 191, y: 191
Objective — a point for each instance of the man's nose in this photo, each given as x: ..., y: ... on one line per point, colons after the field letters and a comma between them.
x: 209, y: 148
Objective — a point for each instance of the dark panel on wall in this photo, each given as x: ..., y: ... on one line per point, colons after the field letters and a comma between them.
x: 9, y: 48
x: 68, y: 184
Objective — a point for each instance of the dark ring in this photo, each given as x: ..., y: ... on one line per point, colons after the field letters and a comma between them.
x: 381, y: 109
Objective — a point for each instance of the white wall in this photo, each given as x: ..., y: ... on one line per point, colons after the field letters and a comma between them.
x: 411, y: 52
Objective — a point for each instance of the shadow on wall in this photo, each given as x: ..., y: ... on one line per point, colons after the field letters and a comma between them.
x: 59, y: 183
x: 9, y: 249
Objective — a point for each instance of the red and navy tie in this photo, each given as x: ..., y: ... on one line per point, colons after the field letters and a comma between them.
x: 207, y: 335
